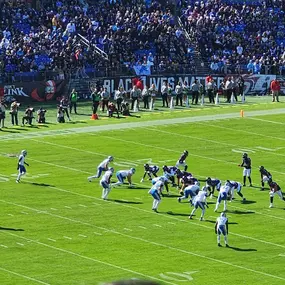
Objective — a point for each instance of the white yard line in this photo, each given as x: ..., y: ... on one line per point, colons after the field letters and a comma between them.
x: 112, y: 127
x: 90, y: 259
x: 110, y: 230
x: 268, y: 121
x: 23, y: 276
x: 156, y: 244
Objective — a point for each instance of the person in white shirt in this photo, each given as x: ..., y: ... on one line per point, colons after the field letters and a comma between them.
x: 221, y: 228
x: 105, y: 182
x: 21, y: 165
x: 103, y: 166
x: 155, y: 192
x: 199, y: 201
x: 122, y: 175
x: 223, y: 195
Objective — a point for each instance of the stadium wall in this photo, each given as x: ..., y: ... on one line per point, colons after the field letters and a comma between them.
x: 49, y: 90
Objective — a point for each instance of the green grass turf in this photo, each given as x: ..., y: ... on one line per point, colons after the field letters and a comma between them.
x: 56, y: 229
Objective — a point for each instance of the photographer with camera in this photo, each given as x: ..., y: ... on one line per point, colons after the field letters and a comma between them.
x: 65, y: 104
x: 96, y: 99
x: 2, y: 113
x: 29, y: 116
x: 60, y: 114
x: 14, y: 112
x: 41, y: 116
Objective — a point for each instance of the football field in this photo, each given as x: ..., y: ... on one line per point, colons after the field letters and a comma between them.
x: 56, y: 229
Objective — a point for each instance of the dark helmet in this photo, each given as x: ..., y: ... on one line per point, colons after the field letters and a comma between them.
x: 244, y: 155
x: 146, y: 166
x: 185, y: 152
x: 164, y: 167
x: 208, y: 179
x: 261, y: 167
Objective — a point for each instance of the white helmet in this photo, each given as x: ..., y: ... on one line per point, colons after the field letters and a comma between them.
x: 223, y: 214
x: 133, y: 170
x: 197, y: 183
x: 24, y: 152
x: 111, y: 158
x: 111, y: 169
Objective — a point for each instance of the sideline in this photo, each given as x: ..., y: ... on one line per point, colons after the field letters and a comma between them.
x: 121, y: 126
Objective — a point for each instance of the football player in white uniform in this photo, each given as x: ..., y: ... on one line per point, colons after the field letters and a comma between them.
x: 222, y: 227
x: 103, y: 166
x: 223, y: 195
x: 155, y: 191
x: 105, y: 182
x: 21, y: 165
x: 191, y: 190
x: 164, y: 180
x: 122, y: 175
x: 235, y: 186
x: 199, y: 201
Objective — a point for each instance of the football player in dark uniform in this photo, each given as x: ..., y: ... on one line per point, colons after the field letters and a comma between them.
x: 212, y: 184
x: 182, y: 160
x: 265, y: 176
x: 275, y: 189
x: 246, y: 164
x: 150, y: 170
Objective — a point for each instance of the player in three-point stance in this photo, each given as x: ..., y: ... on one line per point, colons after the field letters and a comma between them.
x: 150, y: 170
x: 155, y: 191
x: 235, y: 186
x: 21, y: 165
x: 265, y: 176
x: 246, y: 164
x: 223, y: 195
x: 122, y: 175
x: 222, y: 228
x: 105, y: 182
x: 274, y: 189
x: 190, y: 191
x: 182, y: 160
x: 199, y: 201
x: 212, y: 184
x: 103, y: 166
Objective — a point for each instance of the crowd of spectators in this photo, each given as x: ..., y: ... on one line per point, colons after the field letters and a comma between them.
x: 233, y: 36
x: 45, y: 36
x: 238, y: 36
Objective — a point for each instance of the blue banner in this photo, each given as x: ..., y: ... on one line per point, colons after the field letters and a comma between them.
x: 142, y: 69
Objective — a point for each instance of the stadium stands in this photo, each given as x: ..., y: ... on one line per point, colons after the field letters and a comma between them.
x: 232, y: 36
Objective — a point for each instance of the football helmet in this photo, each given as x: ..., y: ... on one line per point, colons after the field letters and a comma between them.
x: 208, y: 180
x: 261, y: 167
x: 133, y: 170
x: 223, y: 214
x: 111, y: 169
x: 165, y: 168
x: 111, y: 158
x: 146, y: 166
x: 24, y: 152
x: 244, y: 155
x: 185, y: 152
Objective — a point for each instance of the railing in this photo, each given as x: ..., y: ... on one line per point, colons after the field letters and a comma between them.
x: 242, y: 69
x: 117, y: 71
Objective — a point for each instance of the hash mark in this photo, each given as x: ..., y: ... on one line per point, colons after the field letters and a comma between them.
x: 67, y: 237
x: 52, y: 239
x: 82, y: 236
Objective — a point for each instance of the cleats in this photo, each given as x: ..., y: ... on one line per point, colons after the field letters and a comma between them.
x: 219, y: 244
x: 179, y: 200
x: 227, y: 245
